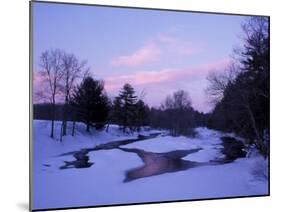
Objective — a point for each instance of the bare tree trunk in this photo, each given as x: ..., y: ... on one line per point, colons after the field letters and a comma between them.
x: 73, y: 127
x: 53, y: 118
x: 61, y: 132
x: 52, y: 129
x: 107, y: 127
x: 65, y: 112
x: 64, y: 126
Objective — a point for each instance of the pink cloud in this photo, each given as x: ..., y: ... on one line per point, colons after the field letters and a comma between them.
x: 164, y: 75
x: 152, y: 50
x: 149, y: 52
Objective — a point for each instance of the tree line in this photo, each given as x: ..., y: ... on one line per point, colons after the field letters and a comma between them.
x: 241, y: 92
x: 177, y: 115
x: 88, y: 103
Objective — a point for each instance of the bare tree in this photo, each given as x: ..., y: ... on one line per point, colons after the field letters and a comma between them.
x: 72, y: 70
x: 51, y: 64
x: 179, y: 100
x: 178, y: 111
x: 218, y: 81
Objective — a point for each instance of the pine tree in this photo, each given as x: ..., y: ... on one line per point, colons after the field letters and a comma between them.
x: 141, y: 114
x: 125, y: 107
x: 90, y: 103
x: 117, y: 115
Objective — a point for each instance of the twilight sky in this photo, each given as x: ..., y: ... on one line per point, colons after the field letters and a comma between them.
x: 158, y: 52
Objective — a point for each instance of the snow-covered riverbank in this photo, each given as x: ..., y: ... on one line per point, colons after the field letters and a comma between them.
x: 102, y: 183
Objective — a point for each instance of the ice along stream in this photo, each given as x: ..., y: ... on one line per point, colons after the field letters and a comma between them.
x: 156, y: 163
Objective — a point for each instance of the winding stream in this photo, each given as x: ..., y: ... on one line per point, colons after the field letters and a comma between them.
x: 156, y: 163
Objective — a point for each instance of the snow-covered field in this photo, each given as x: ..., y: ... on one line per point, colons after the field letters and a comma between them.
x: 102, y: 183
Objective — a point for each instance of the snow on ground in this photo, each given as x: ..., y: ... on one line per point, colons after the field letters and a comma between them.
x: 208, y: 140
x: 83, y: 187
x: 46, y: 148
x: 204, y: 155
x: 197, y: 183
x: 102, y: 183
x: 162, y: 144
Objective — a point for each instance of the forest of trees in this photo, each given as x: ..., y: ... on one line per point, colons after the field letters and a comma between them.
x: 177, y: 115
x: 241, y: 93
x: 240, y: 96
x: 89, y: 103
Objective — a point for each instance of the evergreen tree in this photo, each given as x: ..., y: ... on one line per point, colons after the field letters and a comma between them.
x: 142, y: 111
x: 117, y: 114
x: 125, y: 107
x: 91, y: 103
